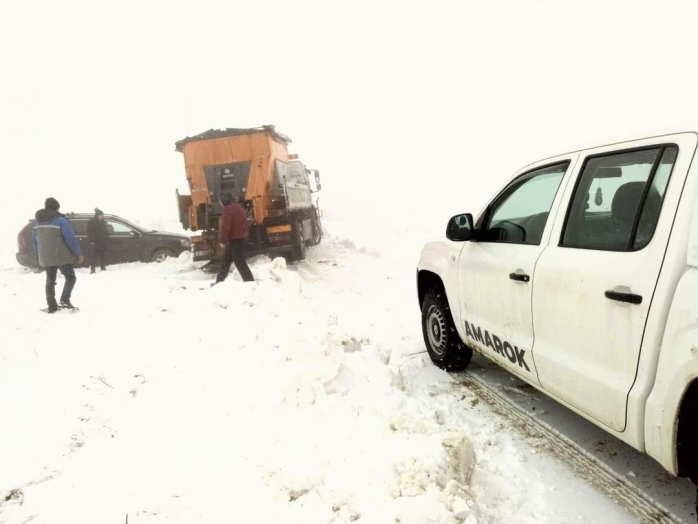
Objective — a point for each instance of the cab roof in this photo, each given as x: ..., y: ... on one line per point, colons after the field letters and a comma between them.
x: 233, y: 131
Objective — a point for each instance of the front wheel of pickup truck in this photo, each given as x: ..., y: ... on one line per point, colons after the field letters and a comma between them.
x: 444, y: 345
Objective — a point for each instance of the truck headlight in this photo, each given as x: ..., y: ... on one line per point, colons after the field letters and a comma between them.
x: 186, y: 243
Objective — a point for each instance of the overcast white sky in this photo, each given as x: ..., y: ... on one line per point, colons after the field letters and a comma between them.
x: 428, y: 104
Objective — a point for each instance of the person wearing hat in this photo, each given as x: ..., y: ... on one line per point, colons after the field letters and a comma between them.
x: 98, y: 235
x: 55, y: 244
x: 232, y: 236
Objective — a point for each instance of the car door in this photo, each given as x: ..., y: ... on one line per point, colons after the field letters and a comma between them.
x: 80, y: 229
x: 496, y: 271
x: 595, y: 282
x: 124, y: 243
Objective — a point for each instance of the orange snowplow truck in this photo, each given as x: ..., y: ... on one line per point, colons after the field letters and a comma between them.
x: 273, y: 186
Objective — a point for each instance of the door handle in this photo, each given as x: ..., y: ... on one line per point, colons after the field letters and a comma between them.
x: 519, y: 277
x: 630, y: 298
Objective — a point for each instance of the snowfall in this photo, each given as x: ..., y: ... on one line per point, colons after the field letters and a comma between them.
x: 304, y: 397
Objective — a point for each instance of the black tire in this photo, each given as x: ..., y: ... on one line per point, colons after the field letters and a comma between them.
x: 298, y: 241
x: 317, y: 232
x: 444, y: 345
x: 159, y: 255
x: 687, y: 434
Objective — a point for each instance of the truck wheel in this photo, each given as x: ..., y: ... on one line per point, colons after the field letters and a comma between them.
x: 444, y: 345
x: 159, y: 255
x: 298, y: 241
x: 317, y: 232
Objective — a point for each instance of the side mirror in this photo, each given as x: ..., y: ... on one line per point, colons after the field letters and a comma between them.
x: 460, y: 228
x: 317, y: 176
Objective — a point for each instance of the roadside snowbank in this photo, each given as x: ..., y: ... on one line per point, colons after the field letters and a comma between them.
x: 305, y: 397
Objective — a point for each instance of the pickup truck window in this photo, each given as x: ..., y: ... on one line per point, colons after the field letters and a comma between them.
x: 618, y: 198
x: 520, y: 213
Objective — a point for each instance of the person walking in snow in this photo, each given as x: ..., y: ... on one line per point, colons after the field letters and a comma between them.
x: 98, y: 235
x: 232, y: 235
x: 55, y: 244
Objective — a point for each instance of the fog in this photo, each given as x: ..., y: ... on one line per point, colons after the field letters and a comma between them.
x: 411, y: 110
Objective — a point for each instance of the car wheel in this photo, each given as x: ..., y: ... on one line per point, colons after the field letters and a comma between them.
x: 444, y: 345
x: 159, y: 255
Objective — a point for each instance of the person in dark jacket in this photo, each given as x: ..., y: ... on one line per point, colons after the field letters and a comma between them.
x: 98, y: 235
x: 232, y: 236
x: 55, y: 244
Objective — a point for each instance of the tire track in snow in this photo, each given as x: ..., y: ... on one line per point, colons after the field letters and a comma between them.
x: 594, y: 471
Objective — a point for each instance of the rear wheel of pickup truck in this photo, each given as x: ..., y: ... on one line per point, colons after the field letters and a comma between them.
x: 444, y: 345
x: 687, y: 435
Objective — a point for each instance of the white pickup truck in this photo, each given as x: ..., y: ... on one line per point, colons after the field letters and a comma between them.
x: 580, y: 276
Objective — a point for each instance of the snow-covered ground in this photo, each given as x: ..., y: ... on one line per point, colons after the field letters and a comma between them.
x: 305, y: 397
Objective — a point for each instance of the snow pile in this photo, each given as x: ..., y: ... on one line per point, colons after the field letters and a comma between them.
x: 393, y: 235
x: 303, y: 397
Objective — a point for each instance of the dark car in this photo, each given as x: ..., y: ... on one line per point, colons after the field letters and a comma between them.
x: 128, y: 242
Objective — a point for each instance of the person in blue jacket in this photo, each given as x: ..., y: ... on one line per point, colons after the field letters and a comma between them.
x: 58, y: 250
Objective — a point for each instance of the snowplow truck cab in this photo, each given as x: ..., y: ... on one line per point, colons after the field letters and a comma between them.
x: 274, y: 187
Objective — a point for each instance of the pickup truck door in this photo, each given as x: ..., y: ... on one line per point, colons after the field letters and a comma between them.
x: 496, y: 271
x: 595, y: 282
